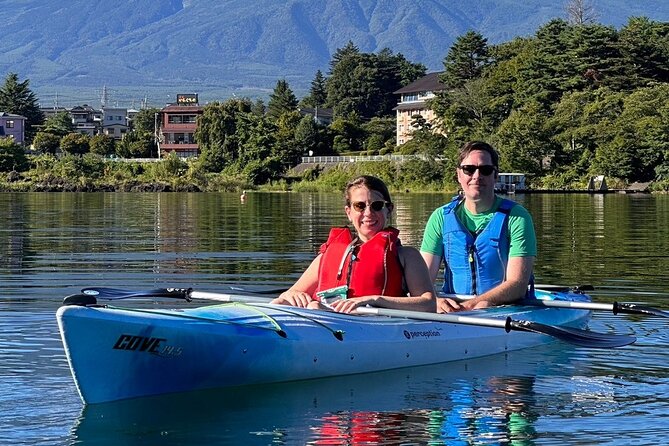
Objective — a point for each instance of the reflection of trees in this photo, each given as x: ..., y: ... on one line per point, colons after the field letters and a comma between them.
x: 583, y: 238
x: 13, y: 241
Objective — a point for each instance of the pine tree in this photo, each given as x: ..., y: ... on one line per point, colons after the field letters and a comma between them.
x: 281, y: 100
x: 17, y: 98
x: 466, y: 59
x: 317, y: 93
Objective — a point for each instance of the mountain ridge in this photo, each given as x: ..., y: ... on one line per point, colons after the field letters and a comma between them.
x: 144, y: 48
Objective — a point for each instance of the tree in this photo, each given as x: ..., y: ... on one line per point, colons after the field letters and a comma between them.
x: 524, y: 141
x: 281, y: 100
x: 466, y: 59
x: 75, y: 144
x: 145, y: 120
x: 46, y: 142
x: 59, y: 124
x: 12, y: 156
x: 644, y: 47
x: 216, y: 133
x: 317, y: 93
x: 364, y: 84
x: 580, y: 12
x: 17, y: 98
x: 102, y: 145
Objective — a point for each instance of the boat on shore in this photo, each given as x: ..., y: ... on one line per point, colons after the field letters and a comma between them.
x: 117, y: 353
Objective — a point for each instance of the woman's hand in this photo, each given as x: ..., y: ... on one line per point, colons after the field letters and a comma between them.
x: 294, y: 298
x: 349, y: 305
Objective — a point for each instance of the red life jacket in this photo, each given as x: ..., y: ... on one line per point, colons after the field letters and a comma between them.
x: 376, y: 266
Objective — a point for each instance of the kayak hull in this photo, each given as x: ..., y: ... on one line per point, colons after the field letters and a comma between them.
x: 120, y: 353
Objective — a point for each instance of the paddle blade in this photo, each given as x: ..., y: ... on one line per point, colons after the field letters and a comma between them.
x: 117, y: 293
x: 576, y: 336
x: 629, y: 308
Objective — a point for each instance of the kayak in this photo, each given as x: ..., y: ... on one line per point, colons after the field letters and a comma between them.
x: 118, y: 353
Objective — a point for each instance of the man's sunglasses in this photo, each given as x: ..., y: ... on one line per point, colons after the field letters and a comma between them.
x: 485, y: 169
x: 360, y: 206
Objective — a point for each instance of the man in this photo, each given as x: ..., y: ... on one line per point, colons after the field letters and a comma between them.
x: 488, y: 244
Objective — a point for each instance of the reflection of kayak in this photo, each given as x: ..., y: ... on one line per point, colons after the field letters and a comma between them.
x: 460, y: 393
x: 118, y: 353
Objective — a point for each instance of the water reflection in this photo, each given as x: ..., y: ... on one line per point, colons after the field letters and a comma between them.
x: 487, y: 400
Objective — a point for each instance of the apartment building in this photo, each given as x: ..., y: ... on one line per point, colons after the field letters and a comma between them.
x: 413, y: 102
x: 177, y: 123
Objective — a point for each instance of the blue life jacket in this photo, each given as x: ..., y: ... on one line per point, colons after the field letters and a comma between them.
x: 475, y: 263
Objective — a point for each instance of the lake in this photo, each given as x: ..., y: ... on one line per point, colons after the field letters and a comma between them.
x: 53, y: 244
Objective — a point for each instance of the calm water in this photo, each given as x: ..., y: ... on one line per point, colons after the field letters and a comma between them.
x: 51, y: 245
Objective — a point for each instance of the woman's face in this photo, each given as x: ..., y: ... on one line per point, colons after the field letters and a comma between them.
x: 367, y: 222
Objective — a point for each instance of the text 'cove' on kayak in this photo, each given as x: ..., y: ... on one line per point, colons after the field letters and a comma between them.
x: 119, y: 353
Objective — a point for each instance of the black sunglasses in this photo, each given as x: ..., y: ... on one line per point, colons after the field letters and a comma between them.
x: 485, y: 169
x: 360, y: 206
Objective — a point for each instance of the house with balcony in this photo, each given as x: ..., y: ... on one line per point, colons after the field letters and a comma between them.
x: 13, y: 126
x: 115, y: 122
x: 413, y: 102
x: 177, y: 124
x: 86, y: 119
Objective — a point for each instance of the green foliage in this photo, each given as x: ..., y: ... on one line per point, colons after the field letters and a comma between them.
x: 168, y: 169
x: 216, y: 133
x: 12, y: 156
x: 59, y: 124
x: 145, y: 121
x: 466, y: 60
x: 317, y: 93
x: 46, y: 142
x: 75, y: 144
x: 137, y: 145
x: 282, y: 100
x: 364, y: 84
x: 102, y: 145
x: 523, y: 141
x: 17, y: 98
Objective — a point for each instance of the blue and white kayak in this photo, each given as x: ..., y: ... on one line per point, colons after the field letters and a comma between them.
x: 118, y: 353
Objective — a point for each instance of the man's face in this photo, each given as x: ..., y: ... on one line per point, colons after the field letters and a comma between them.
x: 475, y: 184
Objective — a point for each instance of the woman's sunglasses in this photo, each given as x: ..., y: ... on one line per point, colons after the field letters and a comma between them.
x: 485, y: 169
x: 360, y: 206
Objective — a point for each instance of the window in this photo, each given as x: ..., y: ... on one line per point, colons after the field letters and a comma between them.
x: 9, y: 124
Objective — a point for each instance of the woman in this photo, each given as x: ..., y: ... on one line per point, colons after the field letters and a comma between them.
x: 369, y: 267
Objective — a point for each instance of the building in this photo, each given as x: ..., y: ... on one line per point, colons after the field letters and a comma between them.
x: 413, y: 102
x: 177, y: 123
x: 115, y: 122
x: 86, y: 119
x: 322, y: 116
x: 13, y: 126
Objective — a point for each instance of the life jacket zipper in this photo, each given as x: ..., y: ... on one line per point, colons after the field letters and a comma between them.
x: 472, y: 266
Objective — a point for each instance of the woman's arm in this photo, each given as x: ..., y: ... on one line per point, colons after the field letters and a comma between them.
x: 299, y: 295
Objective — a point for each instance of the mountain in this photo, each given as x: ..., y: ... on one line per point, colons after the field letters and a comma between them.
x: 146, y: 48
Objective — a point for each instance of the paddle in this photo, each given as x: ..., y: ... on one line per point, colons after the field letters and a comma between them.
x: 615, y: 307
x: 572, y: 335
x: 89, y: 295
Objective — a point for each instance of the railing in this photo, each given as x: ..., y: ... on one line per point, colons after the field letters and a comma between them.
x: 355, y: 159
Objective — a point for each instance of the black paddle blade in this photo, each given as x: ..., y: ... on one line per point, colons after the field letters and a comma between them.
x: 623, y: 307
x: 576, y: 336
x: 117, y: 293
x: 80, y: 299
